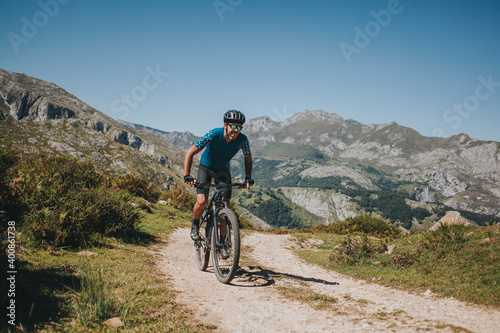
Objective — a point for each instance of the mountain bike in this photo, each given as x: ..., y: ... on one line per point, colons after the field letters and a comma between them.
x: 221, y: 238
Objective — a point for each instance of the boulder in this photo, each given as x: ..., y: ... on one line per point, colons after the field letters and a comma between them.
x: 452, y: 218
x: 113, y: 322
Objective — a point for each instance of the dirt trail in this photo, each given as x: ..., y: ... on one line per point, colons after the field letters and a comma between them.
x: 251, y: 303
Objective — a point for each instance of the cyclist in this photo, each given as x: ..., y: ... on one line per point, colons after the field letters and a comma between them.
x: 221, y: 144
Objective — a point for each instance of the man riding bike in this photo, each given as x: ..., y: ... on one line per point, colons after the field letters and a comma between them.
x: 221, y: 144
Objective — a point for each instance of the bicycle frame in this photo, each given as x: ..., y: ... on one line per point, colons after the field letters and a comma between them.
x: 216, y: 203
x: 211, y: 210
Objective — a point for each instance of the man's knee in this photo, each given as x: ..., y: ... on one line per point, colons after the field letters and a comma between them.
x: 201, y: 200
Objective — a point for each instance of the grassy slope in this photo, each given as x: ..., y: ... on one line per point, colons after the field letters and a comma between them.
x: 463, y: 263
x: 49, y: 283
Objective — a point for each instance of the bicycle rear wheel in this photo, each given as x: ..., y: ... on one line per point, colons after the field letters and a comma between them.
x: 202, y: 249
x: 226, y: 254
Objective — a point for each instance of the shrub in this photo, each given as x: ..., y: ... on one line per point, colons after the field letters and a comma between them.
x: 82, y: 216
x: 138, y: 187
x: 365, y: 224
x: 402, y: 260
x: 446, y: 239
x: 69, y: 203
x: 10, y: 204
x: 354, y: 251
x: 180, y: 199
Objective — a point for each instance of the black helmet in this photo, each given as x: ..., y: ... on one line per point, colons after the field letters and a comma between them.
x: 234, y: 116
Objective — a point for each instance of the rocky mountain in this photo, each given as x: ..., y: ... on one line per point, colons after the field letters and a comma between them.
x: 182, y: 140
x: 458, y: 171
x: 39, y: 117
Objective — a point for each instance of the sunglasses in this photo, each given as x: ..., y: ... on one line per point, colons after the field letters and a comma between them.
x: 239, y: 127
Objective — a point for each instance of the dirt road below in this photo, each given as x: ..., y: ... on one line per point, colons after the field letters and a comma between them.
x: 254, y: 301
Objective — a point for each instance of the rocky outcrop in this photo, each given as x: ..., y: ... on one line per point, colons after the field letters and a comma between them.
x: 330, y: 205
x: 452, y: 218
x: 32, y: 106
x: 426, y: 195
x: 317, y: 171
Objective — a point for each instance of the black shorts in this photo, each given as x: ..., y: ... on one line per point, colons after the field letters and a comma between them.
x: 206, y: 174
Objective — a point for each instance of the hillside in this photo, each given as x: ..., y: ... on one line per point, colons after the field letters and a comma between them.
x: 39, y: 117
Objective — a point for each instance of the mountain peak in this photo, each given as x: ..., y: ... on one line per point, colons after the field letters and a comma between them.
x: 28, y: 98
x: 313, y: 115
x: 260, y: 123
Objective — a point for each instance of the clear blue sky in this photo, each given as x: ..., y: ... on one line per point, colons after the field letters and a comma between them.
x: 180, y: 64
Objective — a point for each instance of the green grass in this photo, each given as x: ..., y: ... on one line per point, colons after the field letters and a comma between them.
x: 459, y: 262
x: 61, y: 291
x: 305, y: 295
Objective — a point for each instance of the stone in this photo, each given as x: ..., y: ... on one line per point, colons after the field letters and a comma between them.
x: 390, y: 249
x: 86, y: 254
x: 113, y: 322
x: 451, y: 218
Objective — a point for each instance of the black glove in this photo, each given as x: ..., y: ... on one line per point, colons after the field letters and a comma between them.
x: 188, y: 179
x: 249, y: 180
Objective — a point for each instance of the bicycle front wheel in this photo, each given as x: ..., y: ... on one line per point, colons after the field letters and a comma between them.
x: 226, y: 245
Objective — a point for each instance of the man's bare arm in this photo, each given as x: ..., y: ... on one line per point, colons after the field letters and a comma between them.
x: 248, y: 168
x: 188, y: 159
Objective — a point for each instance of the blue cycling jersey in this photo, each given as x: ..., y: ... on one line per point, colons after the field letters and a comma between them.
x: 218, y: 153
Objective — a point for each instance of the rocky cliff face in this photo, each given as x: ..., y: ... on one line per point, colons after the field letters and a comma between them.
x: 330, y: 205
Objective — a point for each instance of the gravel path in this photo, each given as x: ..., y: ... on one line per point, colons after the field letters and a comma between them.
x: 252, y: 302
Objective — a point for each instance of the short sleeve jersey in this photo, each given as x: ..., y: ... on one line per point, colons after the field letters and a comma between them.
x: 218, y: 153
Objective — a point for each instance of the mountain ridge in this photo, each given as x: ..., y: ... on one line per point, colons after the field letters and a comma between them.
x: 457, y: 165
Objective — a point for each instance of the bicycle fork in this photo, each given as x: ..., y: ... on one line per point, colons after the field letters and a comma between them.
x: 224, y: 238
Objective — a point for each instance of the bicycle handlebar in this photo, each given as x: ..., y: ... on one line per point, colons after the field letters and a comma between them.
x: 208, y: 185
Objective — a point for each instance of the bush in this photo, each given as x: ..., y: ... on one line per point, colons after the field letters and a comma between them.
x: 69, y: 203
x: 10, y: 204
x: 138, y: 187
x: 82, y: 216
x: 446, y: 239
x: 354, y: 251
x: 364, y: 224
x: 180, y: 199
x: 402, y: 260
